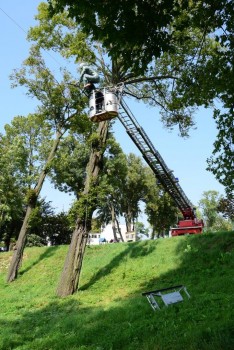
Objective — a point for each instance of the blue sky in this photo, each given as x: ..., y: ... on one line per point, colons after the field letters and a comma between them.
x: 187, y: 157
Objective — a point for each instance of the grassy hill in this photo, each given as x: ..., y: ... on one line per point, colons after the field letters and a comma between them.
x: 109, y: 311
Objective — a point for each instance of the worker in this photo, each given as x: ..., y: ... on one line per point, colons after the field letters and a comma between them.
x: 99, y: 101
x: 89, y: 76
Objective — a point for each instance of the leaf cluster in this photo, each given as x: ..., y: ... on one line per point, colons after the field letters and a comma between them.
x: 68, y: 169
x: 226, y: 207
x: 31, y: 197
x: 136, y: 31
x: 211, y: 204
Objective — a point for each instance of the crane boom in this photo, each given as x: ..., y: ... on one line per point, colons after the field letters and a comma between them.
x: 104, y: 105
x: 155, y: 161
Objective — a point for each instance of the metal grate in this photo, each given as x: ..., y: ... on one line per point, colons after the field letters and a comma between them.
x: 160, y: 297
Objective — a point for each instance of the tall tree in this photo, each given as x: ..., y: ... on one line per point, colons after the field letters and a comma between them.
x: 157, y: 82
x: 208, y: 204
x: 122, y: 188
x: 60, y: 102
x: 113, y: 71
x: 85, y: 207
x: 11, y: 188
x: 22, y: 150
x: 86, y: 203
x: 63, y: 35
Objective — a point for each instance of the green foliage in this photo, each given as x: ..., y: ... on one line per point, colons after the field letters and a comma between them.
x: 159, y: 207
x: 59, y: 99
x: 109, y: 311
x: 135, y: 32
x: 134, y: 188
x: 69, y: 165
x: 209, y: 205
x: 141, y: 230
x: 94, y: 140
x: 226, y: 207
x: 122, y: 185
x: 221, y: 163
x: 84, y: 206
x: 56, y: 229
x: 22, y: 150
x: 47, y: 227
x: 112, y: 180
x: 31, y: 197
x: 61, y: 34
x: 34, y: 241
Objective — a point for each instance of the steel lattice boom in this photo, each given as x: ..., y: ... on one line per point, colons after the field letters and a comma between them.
x: 155, y: 161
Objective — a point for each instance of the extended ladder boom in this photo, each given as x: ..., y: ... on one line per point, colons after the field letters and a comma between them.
x: 155, y: 161
x: 104, y: 104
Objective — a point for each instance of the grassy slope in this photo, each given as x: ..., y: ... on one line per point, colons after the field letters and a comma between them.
x: 109, y: 312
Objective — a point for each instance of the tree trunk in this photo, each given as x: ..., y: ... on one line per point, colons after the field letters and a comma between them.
x: 128, y: 220
x: 20, y: 244
x: 119, y: 230
x: 69, y: 280
x: 113, y: 221
x: 72, y: 268
x: 153, y: 233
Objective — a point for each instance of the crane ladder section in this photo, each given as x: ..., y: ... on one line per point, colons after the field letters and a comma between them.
x: 154, y: 159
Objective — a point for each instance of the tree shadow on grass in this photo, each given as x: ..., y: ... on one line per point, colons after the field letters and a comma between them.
x: 205, y: 267
x: 204, y: 322
x: 201, y: 262
x: 129, y: 324
x: 67, y: 325
x: 50, y: 251
x: 133, y: 250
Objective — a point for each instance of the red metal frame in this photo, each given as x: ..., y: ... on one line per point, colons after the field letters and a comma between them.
x: 189, y: 226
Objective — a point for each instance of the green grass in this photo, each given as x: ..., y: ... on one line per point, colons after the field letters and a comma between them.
x: 109, y: 312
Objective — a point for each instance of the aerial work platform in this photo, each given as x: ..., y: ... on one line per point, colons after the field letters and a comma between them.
x: 104, y: 104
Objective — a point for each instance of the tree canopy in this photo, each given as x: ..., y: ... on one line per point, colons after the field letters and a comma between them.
x: 135, y: 31
x: 187, y: 45
x: 139, y: 31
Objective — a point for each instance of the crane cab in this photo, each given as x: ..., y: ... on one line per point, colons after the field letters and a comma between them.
x: 103, y: 104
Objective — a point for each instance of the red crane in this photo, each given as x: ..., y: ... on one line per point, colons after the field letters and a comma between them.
x: 108, y: 103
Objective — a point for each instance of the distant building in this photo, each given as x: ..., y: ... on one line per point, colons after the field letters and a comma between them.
x: 106, y: 236
x: 130, y: 236
x: 94, y: 238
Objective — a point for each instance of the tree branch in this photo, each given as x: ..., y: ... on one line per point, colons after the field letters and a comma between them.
x: 143, y: 79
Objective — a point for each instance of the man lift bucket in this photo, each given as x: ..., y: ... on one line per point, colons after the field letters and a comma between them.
x: 103, y: 102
